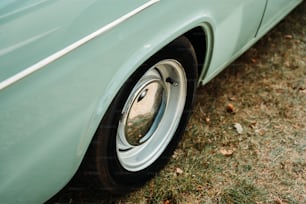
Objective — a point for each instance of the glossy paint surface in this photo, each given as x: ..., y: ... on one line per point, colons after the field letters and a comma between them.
x: 48, y: 118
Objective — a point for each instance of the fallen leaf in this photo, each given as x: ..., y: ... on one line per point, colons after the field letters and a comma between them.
x: 238, y: 128
x: 226, y: 152
x: 230, y: 108
x: 178, y: 171
x: 167, y: 202
x: 288, y: 37
x: 253, y: 60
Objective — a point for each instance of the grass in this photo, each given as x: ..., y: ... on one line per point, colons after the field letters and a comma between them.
x: 265, y: 163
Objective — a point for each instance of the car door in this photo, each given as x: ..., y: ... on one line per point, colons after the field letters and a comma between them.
x: 237, y: 23
x: 276, y: 10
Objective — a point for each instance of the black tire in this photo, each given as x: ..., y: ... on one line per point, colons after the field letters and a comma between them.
x: 114, y: 176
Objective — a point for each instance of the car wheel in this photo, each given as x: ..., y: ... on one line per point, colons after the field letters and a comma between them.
x: 146, y: 119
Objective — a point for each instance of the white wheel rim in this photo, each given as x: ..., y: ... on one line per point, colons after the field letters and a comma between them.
x: 151, y: 115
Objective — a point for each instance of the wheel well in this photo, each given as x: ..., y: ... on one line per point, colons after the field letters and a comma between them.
x: 197, y: 38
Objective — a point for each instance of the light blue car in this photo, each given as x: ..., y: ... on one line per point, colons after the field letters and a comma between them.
x: 109, y: 81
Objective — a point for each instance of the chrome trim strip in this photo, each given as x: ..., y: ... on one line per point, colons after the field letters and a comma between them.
x: 39, y: 65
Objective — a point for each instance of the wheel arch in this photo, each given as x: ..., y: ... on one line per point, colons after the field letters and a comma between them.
x: 200, y: 35
x: 201, y: 38
x: 197, y: 37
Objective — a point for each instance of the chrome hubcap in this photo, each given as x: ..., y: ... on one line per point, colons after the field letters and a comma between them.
x: 151, y: 115
x: 145, y: 111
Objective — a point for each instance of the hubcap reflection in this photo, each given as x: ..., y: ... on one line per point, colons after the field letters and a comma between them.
x: 145, y: 113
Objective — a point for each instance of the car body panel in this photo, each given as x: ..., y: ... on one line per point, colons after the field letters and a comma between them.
x: 275, y: 11
x: 49, y: 117
x: 24, y: 30
x: 236, y: 30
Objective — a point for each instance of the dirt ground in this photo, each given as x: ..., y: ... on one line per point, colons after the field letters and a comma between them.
x: 246, y: 140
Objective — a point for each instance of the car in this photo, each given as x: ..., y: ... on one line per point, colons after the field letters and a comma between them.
x: 108, y: 84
